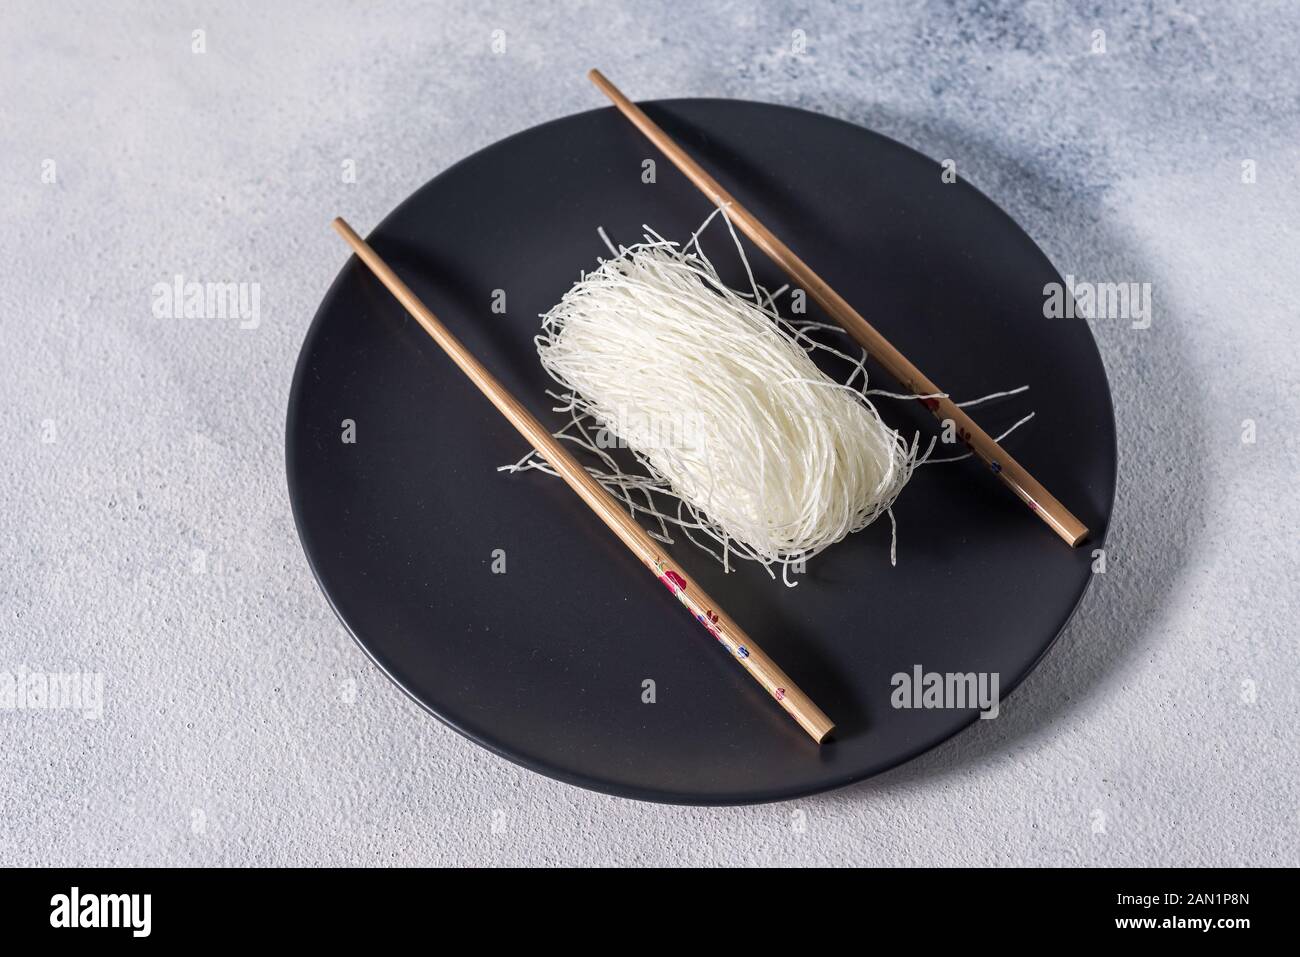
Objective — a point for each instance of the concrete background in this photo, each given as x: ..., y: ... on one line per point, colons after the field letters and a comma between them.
x: 146, y: 527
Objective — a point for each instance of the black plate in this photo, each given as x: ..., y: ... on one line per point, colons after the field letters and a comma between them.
x: 545, y: 664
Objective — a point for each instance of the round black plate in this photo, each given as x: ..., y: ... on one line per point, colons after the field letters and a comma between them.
x: 546, y: 663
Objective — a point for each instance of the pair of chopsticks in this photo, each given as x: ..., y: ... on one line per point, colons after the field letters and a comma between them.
x: 765, y: 671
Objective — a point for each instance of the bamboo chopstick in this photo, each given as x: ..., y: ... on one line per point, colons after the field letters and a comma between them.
x: 703, y: 608
x: 1012, y: 473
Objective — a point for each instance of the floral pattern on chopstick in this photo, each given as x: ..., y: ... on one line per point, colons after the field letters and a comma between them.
x: 710, y: 621
x: 672, y: 580
x: 676, y: 583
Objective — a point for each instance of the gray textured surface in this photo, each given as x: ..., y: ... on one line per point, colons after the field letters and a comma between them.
x: 1161, y: 729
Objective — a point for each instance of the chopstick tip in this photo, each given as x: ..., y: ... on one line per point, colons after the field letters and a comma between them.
x: 343, y: 229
